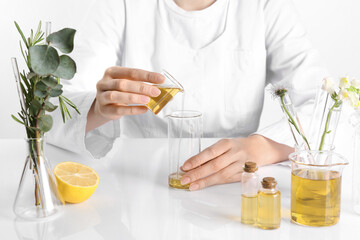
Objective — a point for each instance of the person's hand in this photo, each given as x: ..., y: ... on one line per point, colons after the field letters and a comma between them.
x: 223, y: 161
x: 120, y: 88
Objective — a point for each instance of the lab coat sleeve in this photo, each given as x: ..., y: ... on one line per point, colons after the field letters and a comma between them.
x: 98, y: 45
x: 291, y: 62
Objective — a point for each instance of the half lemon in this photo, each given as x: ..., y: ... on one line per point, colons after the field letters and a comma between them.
x: 76, y: 182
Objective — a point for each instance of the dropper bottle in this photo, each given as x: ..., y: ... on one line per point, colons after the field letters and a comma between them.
x: 269, y: 205
x: 250, y: 188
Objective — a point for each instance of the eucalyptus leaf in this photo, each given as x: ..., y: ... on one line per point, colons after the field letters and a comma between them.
x: 31, y: 75
x: 55, y: 92
x: 45, y: 123
x: 44, y: 59
x: 58, y: 87
x: 34, y: 108
x: 50, y: 81
x: 66, y: 69
x: 49, y: 106
x: 63, y: 40
x: 41, y: 86
x: 40, y: 93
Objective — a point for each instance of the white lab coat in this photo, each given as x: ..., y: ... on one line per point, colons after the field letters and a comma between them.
x: 263, y: 42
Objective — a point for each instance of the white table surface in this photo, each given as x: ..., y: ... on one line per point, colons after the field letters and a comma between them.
x: 133, y: 201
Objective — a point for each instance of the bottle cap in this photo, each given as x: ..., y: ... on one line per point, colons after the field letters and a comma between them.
x: 268, y: 182
x: 250, y: 167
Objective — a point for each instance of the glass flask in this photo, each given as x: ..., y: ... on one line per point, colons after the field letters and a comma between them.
x: 184, y: 133
x: 37, y: 196
x: 316, y: 187
x: 168, y: 91
x: 269, y: 205
x: 249, y: 193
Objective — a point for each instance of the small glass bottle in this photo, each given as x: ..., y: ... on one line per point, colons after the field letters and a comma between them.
x: 250, y: 188
x: 269, y: 205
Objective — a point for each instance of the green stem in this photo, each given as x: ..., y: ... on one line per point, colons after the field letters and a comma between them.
x: 293, y: 122
x: 326, y: 127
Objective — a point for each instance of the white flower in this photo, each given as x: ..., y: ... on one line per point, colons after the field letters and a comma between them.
x: 328, y: 85
x: 344, y: 83
x: 280, y: 88
x: 353, y: 100
x: 343, y: 95
x: 355, y: 83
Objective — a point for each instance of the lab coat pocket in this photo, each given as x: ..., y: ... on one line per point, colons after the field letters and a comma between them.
x: 245, y: 83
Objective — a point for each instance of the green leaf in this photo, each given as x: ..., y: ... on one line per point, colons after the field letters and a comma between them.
x: 44, y: 60
x: 41, y: 89
x: 63, y: 40
x: 17, y: 120
x: 55, y: 92
x: 49, y: 106
x: 41, y: 86
x: 21, y: 34
x: 66, y: 69
x: 50, y: 81
x: 30, y: 75
x: 40, y: 94
x: 35, y: 107
x: 45, y: 123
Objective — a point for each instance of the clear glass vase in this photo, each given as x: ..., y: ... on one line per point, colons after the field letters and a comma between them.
x: 37, y: 196
x: 355, y: 122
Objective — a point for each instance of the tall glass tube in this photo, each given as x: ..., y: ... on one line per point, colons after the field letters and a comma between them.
x: 294, y: 123
x: 328, y: 125
x: 184, y: 132
x: 355, y: 122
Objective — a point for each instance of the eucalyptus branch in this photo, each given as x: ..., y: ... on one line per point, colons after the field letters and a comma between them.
x: 42, y: 80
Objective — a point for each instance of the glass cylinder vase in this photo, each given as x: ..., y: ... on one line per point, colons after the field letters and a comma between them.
x: 355, y: 122
x: 184, y: 133
x: 37, y: 196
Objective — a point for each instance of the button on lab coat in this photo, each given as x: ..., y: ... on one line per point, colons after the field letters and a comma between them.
x: 263, y: 43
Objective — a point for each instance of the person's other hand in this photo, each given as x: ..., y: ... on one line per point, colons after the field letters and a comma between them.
x: 120, y: 88
x: 223, y: 161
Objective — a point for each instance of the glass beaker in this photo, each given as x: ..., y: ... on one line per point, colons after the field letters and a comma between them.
x: 316, y: 187
x: 184, y: 133
x: 355, y: 122
x: 168, y: 91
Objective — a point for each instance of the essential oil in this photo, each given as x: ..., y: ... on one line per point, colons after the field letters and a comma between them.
x: 250, y: 188
x: 315, y: 197
x: 157, y: 103
x: 175, y: 181
x: 269, y: 205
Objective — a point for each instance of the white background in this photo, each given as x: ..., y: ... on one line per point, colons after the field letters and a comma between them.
x: 333, y: 27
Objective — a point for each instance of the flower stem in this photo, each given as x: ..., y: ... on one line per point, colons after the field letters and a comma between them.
x: 326, y: 127
x: 293, y: 122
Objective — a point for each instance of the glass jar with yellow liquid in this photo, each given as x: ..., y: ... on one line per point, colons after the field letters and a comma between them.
x: 168, y: 91
x: 249, y: 192
x: 316, y: 187
x: 269, y: 205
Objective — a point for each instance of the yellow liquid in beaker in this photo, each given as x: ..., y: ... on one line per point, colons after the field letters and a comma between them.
x: 175, y: 181
x: 249, y: 207
x: 269, y: 210
x: 157, y: 103
x: 315, y: 197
